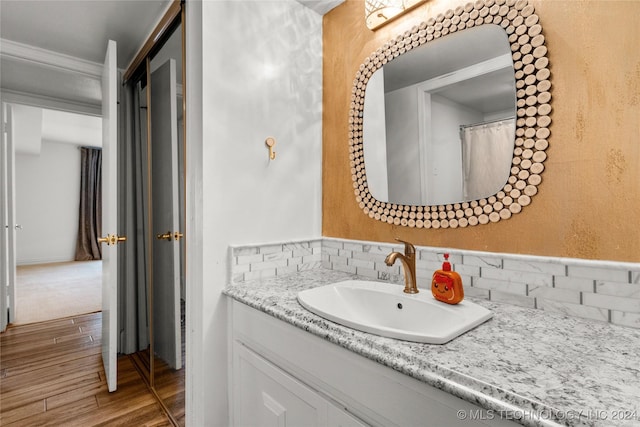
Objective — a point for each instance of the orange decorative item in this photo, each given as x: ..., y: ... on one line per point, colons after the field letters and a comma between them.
x: 446, y: 285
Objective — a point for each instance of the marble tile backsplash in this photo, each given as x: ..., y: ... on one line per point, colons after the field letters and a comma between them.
x: 276, y: 259
x: 600, y: 290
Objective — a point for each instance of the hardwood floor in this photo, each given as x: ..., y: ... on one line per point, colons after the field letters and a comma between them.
x: 170, y: 386
x: 51, y: 374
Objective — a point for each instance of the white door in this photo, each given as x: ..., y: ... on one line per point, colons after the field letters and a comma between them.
x: 7, y: 221
x: 167, y: 343
x: 110, y: 215
x: 8, y: 239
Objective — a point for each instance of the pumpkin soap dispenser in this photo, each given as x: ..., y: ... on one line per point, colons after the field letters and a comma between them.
x: 446, y: 285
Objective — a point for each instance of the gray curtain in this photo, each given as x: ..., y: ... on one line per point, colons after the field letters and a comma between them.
x: 133, y: 218
x: 90, y: 223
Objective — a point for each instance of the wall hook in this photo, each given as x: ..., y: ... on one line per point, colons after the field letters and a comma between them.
x: 270, y: 142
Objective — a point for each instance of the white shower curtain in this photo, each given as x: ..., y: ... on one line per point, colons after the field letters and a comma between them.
x: 487, y: 150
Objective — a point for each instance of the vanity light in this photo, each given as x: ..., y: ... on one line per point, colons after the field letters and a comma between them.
x: 379, y: 12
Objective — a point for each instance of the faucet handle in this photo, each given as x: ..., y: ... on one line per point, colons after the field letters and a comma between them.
x: 408, y: 247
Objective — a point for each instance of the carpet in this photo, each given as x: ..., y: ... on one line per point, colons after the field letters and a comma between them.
x: 57, y: 290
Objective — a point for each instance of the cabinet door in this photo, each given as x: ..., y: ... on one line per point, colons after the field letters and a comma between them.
x: 266, y: 396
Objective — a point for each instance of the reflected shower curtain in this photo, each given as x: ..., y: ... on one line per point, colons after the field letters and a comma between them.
x: 133, y: 256
x: 90, y: 220
x: 487, y: 150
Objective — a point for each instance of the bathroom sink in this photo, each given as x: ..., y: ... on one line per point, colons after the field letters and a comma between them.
x: 383, y: 309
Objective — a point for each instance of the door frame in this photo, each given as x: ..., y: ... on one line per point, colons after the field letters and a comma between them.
x: 6, y: 311
x: 8, y: 258
x: 8, y: 216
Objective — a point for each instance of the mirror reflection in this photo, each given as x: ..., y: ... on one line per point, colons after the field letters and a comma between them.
x: 152, y: 298
x: 439, y: 120
x: 167, y: 219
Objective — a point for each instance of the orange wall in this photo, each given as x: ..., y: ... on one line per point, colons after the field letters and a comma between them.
x: 588, y: 204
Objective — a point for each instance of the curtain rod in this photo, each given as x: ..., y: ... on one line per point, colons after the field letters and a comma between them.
x: 88, y: 147
x: 487, y: 122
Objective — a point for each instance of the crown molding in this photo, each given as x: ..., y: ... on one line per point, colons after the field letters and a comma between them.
x: 46, y: 58
x: 35, y: 100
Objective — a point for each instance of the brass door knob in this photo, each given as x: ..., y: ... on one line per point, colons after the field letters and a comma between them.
x: 165, y: 236
x: 112, y: 239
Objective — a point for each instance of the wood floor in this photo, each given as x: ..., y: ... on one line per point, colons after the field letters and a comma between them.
x: 51, y: 374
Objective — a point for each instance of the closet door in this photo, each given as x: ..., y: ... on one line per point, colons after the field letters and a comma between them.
x: 167, y: 340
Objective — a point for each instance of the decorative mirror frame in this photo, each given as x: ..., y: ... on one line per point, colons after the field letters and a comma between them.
x: 533, y: 106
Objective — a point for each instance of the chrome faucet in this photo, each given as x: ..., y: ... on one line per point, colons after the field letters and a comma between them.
x: 409, y: 262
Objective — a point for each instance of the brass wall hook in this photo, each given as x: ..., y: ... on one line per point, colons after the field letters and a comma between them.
x: 270, y: 142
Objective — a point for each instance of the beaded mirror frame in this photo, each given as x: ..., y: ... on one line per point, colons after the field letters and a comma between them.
x: 533, y: 106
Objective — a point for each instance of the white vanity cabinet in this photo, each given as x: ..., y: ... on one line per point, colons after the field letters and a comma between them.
x: 283, y: 376
x: 265, y: 395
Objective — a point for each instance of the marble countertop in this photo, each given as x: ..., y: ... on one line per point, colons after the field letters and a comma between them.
x: 540, y: 368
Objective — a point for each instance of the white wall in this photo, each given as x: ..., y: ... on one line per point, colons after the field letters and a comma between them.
x: 261, y: 76
x: 72, y: 128
x: 498, y: 115
x: 403, y: 149
x: 27, y: 128
x: 444, y: 150
x: 47, y: 199
x: 375, y: 135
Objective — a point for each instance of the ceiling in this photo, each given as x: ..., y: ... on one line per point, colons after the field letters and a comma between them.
x: 51, y: 53
x: 81, y: 28
x: 53, y: 50
x: 483, y: 90
x: 321, y: 6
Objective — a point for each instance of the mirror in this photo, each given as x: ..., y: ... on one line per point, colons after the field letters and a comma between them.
x: 440, y: 201
x: 167, y: 219
x: 153, y: 286
x: 440, y: 127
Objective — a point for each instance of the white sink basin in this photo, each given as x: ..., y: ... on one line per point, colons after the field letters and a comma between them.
x: 383, y: 309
